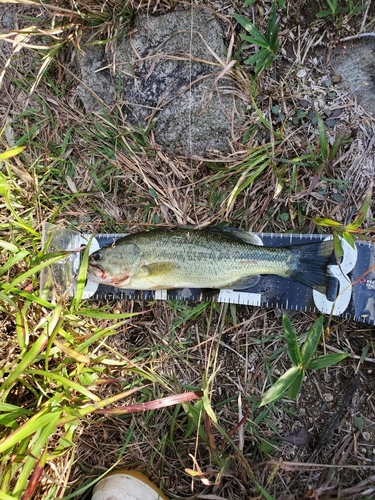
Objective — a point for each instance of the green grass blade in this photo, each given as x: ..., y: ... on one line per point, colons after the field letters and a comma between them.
x: 323, y: 140
x: 65, y: 382
x: 31, y: 272
x: 36, y: 446
x: 26, y: 361
x: 81, y: 278
x: 13, y: 261
x: 27, y: 429
x: 4, y: 496
x: 8, y: 246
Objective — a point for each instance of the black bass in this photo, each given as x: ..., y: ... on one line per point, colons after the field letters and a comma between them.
x: 207, y: 258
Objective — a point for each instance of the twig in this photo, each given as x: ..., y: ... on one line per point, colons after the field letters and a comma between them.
x: 355, y: 37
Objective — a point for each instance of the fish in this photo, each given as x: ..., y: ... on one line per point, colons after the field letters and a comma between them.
x: 206, y: 258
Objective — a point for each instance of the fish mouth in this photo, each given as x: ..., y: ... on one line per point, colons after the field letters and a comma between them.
x: 121, y: 281
x: 97, y: 272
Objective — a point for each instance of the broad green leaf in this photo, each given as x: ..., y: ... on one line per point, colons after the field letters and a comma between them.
x: 360, y: 217
x: 312, y: 341
x: 259, y: 58
x: 245, y: 23
x: 274, y: 40
x: 266, y: 447
x: 326, y: 360
x: 207, y: 406
x: 332, y: 4
x: 323, y: 13
x: 348, y: 238
x: 4, y: 186
x: 293, y: 350
x: 259, y: 39
x: 272, y: 25
x: 8, y: 407
x: 322, y: 221
x: 295, y: 387
x: 281, y: 385
x: 358, y: 422
x: 255, y: 41
x: 337, y: 247
x: 9, y: 153
x: 340, y: 138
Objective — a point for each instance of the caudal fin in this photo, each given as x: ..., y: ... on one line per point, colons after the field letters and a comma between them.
x: 310, y: 264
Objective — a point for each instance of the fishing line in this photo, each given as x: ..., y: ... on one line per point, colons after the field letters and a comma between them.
x: 190, y: 119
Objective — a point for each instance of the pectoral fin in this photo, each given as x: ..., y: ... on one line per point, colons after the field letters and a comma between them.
x: 159, y: 268
x: 246, y: 282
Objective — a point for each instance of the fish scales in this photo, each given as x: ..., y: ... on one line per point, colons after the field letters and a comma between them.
x: 208, y: 258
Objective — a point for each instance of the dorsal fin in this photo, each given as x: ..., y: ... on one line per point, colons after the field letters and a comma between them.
x: 243, y: 236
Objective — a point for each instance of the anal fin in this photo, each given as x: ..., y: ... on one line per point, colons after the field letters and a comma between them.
x: 246, y: 282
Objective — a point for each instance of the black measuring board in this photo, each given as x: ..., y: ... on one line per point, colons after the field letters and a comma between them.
x: 350, y: 294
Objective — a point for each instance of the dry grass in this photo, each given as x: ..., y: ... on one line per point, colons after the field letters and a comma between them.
x: 98, y: 174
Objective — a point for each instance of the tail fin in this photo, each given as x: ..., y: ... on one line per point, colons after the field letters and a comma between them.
x: 310, y: 263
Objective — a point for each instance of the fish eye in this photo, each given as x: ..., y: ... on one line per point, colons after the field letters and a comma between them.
x: 97, y: 256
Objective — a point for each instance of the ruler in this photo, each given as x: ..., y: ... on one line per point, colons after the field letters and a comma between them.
x: 350, y: 292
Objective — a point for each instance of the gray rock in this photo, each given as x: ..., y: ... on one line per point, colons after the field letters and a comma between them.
x: 156, y: 81
x: 356, y: 65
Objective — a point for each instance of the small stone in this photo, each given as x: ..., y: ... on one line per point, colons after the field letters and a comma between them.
x: 301, y: 73
x: 331, y: 122
x: 366, y: 436
x: 165, y: 78
x: 328, y: 397
x: 336, y: 112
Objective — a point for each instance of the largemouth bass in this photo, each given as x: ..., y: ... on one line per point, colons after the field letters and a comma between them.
x: 207, y: 258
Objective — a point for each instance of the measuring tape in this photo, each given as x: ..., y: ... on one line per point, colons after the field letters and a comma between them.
x: 350, y: 291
